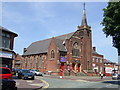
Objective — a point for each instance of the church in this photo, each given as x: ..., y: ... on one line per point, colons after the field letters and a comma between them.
x: 73, y: 50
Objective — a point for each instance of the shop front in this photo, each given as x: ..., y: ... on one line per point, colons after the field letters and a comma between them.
x: 6, y: 58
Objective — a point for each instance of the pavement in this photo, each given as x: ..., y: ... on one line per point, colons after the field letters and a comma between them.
x: 82, y: 78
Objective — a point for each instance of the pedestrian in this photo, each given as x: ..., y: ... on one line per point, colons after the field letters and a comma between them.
x: 61, y: 73
x: 68, y: 68
x: 101, y: 75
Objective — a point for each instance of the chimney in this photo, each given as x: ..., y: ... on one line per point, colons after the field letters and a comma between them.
x: 94, y: 48
x: 24, y: 50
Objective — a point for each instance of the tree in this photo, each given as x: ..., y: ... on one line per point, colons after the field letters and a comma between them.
x: 111, y: 23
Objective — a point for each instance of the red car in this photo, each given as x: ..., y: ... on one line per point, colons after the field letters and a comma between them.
x: 5, y: 73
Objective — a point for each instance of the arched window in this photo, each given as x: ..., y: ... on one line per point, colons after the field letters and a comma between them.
x: 75, y: 51
x: 34, y: 62
x: 28, y: 66
x: 40, y: 61
x: 52, y: 54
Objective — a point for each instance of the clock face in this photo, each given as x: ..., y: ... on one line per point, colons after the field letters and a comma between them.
x: 81, y: 33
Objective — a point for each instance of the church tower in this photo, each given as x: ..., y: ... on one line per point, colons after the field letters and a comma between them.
x: 86, y: 42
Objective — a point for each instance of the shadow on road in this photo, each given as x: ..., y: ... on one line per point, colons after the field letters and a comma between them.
x: 15, y: 77
x: 113, y: 82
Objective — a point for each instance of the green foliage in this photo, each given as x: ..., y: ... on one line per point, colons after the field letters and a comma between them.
x: 111, y: 22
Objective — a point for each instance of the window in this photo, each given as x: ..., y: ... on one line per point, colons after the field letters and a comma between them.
x: 52, y: 54
x: 28, y: 62
x: 93, y: 59
x: 40, y: 61
x: 34, y: 65
x: 100, y: 60
x: 24, y: 62
x: 5, y: 71
x: 75, y: 51
x: 96, y: 59
x: 100, y: 69
x: 5, y: 40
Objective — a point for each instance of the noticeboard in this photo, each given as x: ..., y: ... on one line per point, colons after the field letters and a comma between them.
x: 62, y: 59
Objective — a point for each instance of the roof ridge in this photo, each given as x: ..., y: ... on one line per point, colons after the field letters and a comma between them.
x: 58, y: 39
x: 64, y: 34
x: 42, y: 40
x: 52, y: 37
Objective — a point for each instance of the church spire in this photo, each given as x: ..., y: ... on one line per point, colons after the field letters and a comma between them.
x: 84, y: 19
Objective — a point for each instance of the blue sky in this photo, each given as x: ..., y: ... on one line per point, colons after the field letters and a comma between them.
x: 34, y: 21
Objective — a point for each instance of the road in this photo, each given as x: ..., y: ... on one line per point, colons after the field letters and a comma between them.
x: 56, y: 82
x: 27, y: 84
x: 62, y: 83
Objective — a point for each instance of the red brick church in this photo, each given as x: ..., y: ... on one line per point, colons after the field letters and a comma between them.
x: 72, y: 49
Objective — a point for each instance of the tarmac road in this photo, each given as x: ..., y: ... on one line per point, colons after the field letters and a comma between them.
x: 93, y: 83
x: 28, y: 84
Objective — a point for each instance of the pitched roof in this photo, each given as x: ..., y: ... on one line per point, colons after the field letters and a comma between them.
x: 65, y: 36
x: 42, y: 46
x: 60, y: 45
x: 6, y: 30
x: 108, y: 61
x: 38, y: 47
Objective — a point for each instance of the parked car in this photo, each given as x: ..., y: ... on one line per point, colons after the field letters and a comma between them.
x: 36, y: 72
x: 115, y: 76
x: 15, y: 71
x: 8, y: 84
x: 5, y: 73
x: 25, y: 74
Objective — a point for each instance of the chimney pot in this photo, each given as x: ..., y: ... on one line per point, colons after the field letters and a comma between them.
x: 24, y: 50
x: 94, y: 48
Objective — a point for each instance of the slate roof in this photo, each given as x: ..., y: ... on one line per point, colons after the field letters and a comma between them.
x: 65, y: 36
x: 42, y: 46
x: 60, y: 45
x: 108, y: 61
x: 38, y: 47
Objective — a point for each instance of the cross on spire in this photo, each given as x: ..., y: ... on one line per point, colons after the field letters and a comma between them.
x: 84, y: 5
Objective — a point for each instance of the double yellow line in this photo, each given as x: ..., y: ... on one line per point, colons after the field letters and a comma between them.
x: 46, y: 84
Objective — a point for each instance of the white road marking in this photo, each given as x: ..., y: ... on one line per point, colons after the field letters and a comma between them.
x: 82, y: 81
x: 17, y: 83
x: 104, y: 87
x: 36, y: 84
x: 29, y: 81
x: 108, y: 85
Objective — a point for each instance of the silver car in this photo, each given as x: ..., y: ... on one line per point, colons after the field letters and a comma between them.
x: 36, y: 72
x: 115, y: 76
